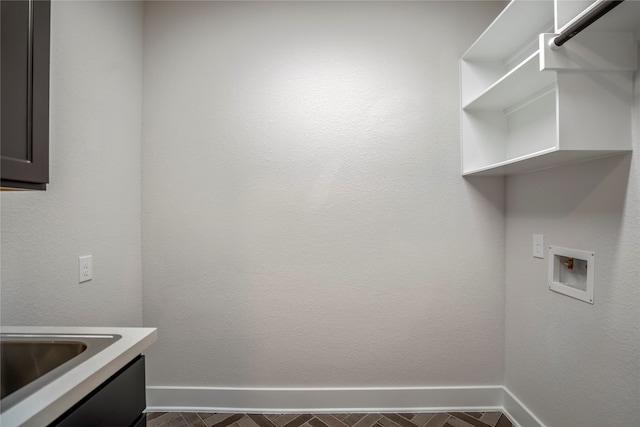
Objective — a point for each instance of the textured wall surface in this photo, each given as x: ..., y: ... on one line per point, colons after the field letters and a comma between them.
x: 92, y: 205
x: 575, y: 364
x: 304, y: 219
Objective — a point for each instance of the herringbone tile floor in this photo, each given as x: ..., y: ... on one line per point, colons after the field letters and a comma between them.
x: 436, y: 419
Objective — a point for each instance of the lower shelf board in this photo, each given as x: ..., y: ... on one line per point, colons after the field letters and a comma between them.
x: 540, y: 160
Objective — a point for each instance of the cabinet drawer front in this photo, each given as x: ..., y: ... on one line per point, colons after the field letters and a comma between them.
x: 118, y: 402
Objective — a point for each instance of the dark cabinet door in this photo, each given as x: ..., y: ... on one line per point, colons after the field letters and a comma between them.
x: 24, y: 92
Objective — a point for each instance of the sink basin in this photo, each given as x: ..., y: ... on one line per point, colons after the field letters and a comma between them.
x: 24, y: 362
x: 28, y: 362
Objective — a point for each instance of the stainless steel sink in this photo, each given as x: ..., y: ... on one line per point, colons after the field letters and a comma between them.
x: 28, y: 362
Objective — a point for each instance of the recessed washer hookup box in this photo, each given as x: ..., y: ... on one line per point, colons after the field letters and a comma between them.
x: 571, y: 272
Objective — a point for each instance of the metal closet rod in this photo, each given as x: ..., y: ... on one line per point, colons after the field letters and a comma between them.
x: 599, y: 9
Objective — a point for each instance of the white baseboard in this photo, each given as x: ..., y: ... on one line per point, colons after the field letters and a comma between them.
x: 317, y: 400
x: 332, y: 400
x: 518, y: 412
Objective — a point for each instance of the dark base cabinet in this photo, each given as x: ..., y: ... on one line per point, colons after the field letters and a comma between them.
x: 118, y: 402
x: 142, y: 422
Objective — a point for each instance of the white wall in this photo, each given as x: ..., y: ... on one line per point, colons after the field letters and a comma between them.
x: 575, y: 364
x: 304, y: 221
x: 92, y: 205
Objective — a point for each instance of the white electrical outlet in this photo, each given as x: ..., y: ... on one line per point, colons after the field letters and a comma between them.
x: 85, y: 268
x: 538, y: 246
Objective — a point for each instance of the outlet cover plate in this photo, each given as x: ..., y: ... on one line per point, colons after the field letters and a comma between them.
x: 85, y: 268
x: 538, y: 246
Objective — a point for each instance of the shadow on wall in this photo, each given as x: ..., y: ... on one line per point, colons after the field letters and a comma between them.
x: 579, y: 194
x: 591, y: 188
x: 580, y: 204
x: 490, y: 188
x: 598, y: 186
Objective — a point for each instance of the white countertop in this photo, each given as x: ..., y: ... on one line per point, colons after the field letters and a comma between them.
x: 52, y: 400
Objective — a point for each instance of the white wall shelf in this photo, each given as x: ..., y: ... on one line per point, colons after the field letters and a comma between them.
x: 519, y: 19
x: 519, y: 83
x: 526, y: 108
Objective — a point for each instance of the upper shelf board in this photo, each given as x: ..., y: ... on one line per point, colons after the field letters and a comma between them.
x: 511, y: 30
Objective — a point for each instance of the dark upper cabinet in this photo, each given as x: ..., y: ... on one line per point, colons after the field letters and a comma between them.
x: 24, y: 114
